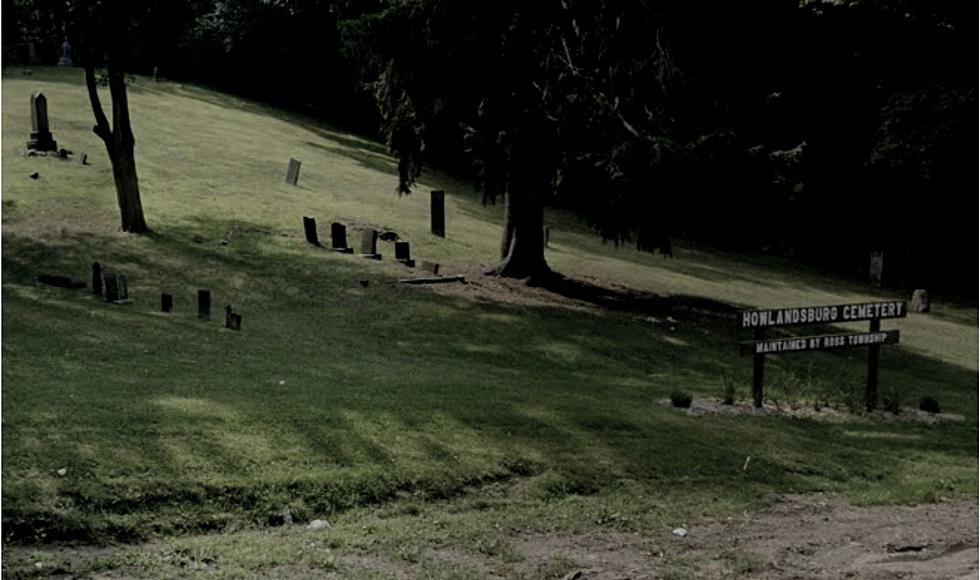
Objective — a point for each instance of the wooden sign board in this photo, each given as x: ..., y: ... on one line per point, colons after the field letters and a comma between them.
x: 822, y: 342
x: 832, y: 314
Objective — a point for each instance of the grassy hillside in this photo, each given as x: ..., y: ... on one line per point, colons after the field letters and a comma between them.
x: 337, y: 396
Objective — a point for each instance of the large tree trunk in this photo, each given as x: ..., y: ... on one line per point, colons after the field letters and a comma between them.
x: 119, y: 143
x: 524, y: 219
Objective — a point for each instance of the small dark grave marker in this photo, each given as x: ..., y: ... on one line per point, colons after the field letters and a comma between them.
x: 61, y: 281
x: 875, y: 268
x: 388, y: 236
x: 292, y: 172
x: 365, y: 283
x: 204, y: 304
x: 115, y: 289
x: 84, y: 159
x: 166, y: 303
x: 875, y: 312
x: 232, y: 320
x: 403, y: 254
x: 338, y: 238
x: 41, y: 139
x: 369, y: 244
x: 547, y: 235
x: 35, y: 175
x: 97, y: 278
x: 438, y: 213
x: 430, y: 267
x: 309, y: 226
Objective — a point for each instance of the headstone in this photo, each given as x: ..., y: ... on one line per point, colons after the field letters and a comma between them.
x: 403, y: 253
x: 41, y: 139
x: 232, y: 320
x: 204, y: 304
x: 166, y: 303
x: 156, y: 74
x: 84, y: 158
x: 338, y: 238
x: 115, y: 289
x: 97, y: 278
x: 292, y: 172
x: 920, y: 301
x: 369, y: 244
x: 309, y: 226
x: 547, y: 235
x: 65, y: 57
x: 438, y: 213
x: 430, y: 267
x: 875, y: 268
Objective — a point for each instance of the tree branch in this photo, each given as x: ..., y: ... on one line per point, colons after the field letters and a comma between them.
x: 101, y: 128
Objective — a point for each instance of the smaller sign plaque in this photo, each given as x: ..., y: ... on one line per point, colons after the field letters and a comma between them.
x: 821, y: 342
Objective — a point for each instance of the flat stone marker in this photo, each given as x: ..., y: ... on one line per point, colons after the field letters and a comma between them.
x: 369, y: 244
x: 292, y: 172
x: 403, y: 253
x: 115, y: 289
x: 41, y: 139
x: 430, y: 267
x: 97, y: 278
x: 204, y: 304
x: 438, y: 213
x: 309, y: 226
x: 166, y: 303
x: 338, y: 238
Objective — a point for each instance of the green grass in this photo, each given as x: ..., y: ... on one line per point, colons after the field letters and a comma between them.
x: 389, y: 410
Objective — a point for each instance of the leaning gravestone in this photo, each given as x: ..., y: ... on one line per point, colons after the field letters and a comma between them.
x: 369, y: 244
x: 292, y: 172
x: 115, y: 289
x: 438, y: 213
x: 204, y: 304
x: 309, y: 227
x: 166, y: 303
x: 41, y: 139
x: 547, y: 235
x: 920, y: 301
x: 403, y: 254
x: 430, y: 267
x: 232, y: 320
x: 338, y: 238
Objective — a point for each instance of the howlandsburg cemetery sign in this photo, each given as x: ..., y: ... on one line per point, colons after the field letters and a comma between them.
x: 760, y: 320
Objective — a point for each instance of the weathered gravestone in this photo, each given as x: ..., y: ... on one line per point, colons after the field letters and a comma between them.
x: 920, y: 301
x: 292, y: 172
x: 438, y: 213
x: 875, y: 268
x: 41, y: 139
x: 204, y: 304
x: 115, y: 289
x: 84, y: 160
x: 338, y: 238
x: 309, y: 226
x: 369, y: 244
x: 547, y: 235
x: 403, y: 254
x: 166, y: 303
x: 156, y: 74
x: 97, y: 278
x: 64, y: 58
x: 430, y: 267
x: 232, y: 320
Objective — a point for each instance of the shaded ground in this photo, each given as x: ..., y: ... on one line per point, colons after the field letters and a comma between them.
x: 800, y: 536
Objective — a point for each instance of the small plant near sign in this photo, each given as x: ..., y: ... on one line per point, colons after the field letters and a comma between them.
x: 892, y: 400
x: 728, y: 390
x: 680, y: 399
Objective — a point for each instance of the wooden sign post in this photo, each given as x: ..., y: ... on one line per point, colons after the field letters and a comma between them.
x: 760, y: 320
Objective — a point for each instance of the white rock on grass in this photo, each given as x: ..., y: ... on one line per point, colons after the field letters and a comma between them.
x: 318, y: 524
x: 680, y: 532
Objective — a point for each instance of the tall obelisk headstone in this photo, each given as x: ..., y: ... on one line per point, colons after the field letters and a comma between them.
x: 41, y: 139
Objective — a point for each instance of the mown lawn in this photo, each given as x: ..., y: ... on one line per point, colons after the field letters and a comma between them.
x: 339, y: 400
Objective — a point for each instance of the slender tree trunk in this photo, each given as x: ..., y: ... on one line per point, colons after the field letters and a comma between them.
x: 119, y: 143
x: 508, y: 236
